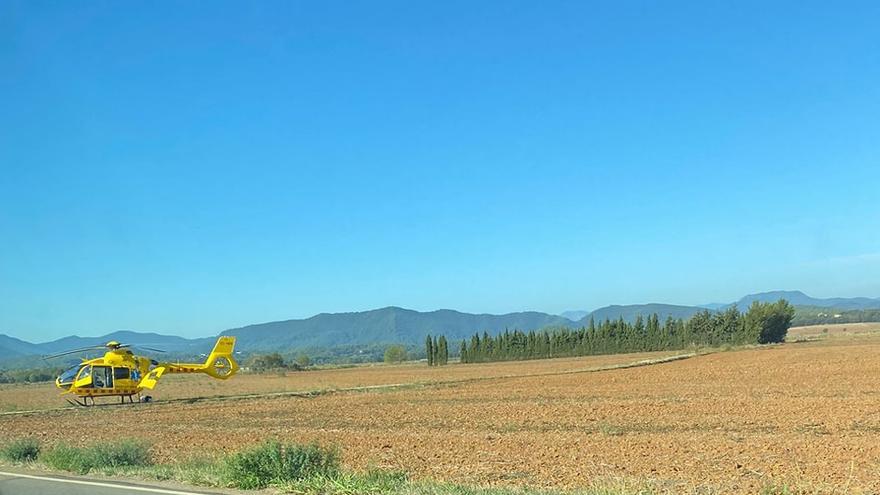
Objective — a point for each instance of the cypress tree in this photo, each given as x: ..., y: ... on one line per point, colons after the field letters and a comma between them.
x: 429, y: 350
x: 474, y: 350
x: 444, y: 351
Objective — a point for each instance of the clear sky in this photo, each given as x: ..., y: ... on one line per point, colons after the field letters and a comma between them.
x: 187, y: 167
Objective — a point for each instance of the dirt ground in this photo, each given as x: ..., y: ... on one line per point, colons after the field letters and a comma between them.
x: 23, y: 397
x: 802, y: 414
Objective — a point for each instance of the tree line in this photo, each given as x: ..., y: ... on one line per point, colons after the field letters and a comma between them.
x: 814, y: 315
x: 763, y: 323
x: 34, y: 375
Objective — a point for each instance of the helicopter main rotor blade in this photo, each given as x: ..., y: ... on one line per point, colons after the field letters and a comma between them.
x: 74, y: 351
x: 152, y: 349
x: 136, y: 346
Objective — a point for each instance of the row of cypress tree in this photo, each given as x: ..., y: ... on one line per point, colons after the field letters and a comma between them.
x: 762, y: 323
x: 437, y: 350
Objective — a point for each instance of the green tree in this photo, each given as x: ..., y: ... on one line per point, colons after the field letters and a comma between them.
x: 767, y: 323
x: 303, y: 360
x: 474, y: 350
x: 783, y: 314
x: 443, y: 353
x: 264, y: 362
x: 429, y: 350
x: 395, y: 354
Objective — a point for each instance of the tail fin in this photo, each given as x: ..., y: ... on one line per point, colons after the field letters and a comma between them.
x: 221, y: 363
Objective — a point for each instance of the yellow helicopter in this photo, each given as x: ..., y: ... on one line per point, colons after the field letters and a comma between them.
x: 122, y: 374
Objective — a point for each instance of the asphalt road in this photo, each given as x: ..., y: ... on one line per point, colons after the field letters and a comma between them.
x: 12, y: 483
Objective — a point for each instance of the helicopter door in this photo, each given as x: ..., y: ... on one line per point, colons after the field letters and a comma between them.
x: 102, y: 376
x: 122, y: 377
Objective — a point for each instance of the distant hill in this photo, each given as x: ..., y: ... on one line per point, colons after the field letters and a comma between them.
x: 386, y: 325
x: 13, y: 347
x: 170, y: 343
x: 630, y: 312
x: 798, y: 298
x: 575, y: 315
x: 376, y: 328
x: 21, y: 354
x: 714, y: 306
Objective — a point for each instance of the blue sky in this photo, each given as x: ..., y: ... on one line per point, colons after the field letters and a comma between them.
x: 184, y: 168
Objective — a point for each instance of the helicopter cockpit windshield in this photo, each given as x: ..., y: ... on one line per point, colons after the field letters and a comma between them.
x: 67, y: 378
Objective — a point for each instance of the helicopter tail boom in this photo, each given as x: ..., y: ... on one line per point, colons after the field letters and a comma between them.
x: 220, y: 364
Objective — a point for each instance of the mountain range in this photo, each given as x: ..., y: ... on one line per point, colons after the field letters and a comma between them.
x: 386, y: 325
x: 396, y: 325
x: 798, y: 298
x: 19, y: 353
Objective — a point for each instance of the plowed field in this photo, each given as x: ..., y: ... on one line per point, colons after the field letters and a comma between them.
x: 806, y: 415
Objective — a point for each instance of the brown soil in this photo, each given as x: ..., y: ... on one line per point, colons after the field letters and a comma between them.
x: 801, y: 414
x: 21, y: 397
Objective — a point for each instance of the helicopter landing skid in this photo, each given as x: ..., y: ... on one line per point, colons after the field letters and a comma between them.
x: 85, y: 401
x: 76, y: 402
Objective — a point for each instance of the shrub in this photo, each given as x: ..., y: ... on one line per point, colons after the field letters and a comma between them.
x: 125, y: 453
x: 67, y: 458
x: 202, y: 471
x: 21, y: 450
x: 373, y: 482
x: 265, y: 362
x: 303, y: 360
x: 276, y: 463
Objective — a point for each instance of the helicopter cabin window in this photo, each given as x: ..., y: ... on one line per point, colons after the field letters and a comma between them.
x: 69, y: 376
x: 102, y: 376
x: 86, y: 372
x: 121, y: 373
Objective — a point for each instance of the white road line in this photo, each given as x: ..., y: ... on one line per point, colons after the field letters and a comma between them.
x: 98, y: 483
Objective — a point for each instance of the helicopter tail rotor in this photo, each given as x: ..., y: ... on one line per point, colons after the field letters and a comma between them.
x: 220, y: 363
